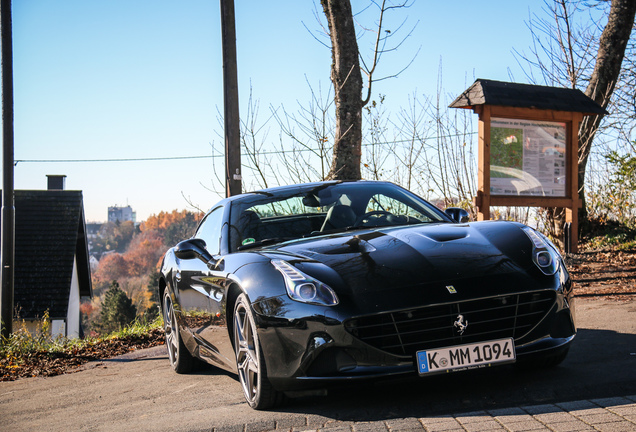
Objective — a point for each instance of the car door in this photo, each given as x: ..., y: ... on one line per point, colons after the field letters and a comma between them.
x: 202, y: 292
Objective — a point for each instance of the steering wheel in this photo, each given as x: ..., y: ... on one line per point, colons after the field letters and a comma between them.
x: 367, y: 215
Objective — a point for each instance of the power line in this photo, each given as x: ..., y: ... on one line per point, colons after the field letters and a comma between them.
x: 17, y: 161
x: 264, y: 153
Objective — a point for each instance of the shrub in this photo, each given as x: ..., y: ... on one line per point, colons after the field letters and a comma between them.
x: 117, y: 310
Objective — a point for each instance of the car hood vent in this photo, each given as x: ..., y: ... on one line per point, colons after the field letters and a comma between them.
x: 446, y: 235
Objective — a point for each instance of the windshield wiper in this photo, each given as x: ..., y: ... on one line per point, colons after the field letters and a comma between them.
x: 336, y: 231
x: 267, y: 241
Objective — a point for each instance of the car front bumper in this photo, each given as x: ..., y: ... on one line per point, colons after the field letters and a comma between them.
x: 308, y: 346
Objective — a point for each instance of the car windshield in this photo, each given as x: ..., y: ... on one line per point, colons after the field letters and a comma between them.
x: 283, y: 214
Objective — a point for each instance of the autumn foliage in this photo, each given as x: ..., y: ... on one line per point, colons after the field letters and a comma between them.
x: 144, y: 253
x: 164, y: 220
x: 134, y: 267
x: 111, y: 267
x: 146, y: 246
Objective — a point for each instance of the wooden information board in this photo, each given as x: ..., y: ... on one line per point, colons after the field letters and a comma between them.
x: 528, y: 146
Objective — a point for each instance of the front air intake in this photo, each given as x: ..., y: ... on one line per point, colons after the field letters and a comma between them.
x: 407, y: 331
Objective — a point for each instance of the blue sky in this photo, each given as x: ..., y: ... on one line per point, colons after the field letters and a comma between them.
x: 106, y: 79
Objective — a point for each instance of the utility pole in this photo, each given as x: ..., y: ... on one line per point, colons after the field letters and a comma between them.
x: 230, y: 99
x: 8, y: 209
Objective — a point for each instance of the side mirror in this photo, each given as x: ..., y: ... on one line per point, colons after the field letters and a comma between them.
x: 458, y: 214
x: 192, y: 248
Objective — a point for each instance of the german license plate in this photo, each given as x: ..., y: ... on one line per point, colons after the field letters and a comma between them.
x: 465, y: 357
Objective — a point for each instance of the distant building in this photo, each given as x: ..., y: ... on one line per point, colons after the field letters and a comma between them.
x: 92, y: 229
x: 94, y: 263
x: 121, y: 214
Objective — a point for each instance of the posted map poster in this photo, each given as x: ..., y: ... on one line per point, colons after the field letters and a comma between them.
x: 527, y: 158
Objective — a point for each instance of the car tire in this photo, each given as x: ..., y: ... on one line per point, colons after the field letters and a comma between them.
x: 250, y: 361
x: 180, y: 358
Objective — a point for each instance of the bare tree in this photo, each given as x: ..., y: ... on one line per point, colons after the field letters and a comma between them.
x: 347, y: 83
x: 312, y: 146
x: 253, y: 138
x: 305, y: 137
x: 602, y: 83
x: 379, y: 141
x: 569, y: 52
x: 346, y: 76
x: 437, y: 152
x: 623, y: 105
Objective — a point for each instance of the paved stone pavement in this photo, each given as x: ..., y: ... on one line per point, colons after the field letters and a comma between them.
x: 604, y: 415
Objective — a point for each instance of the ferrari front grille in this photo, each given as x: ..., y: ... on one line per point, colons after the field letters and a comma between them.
x: 407, y: 331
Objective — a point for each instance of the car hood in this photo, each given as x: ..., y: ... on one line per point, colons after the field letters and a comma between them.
x: 447, y: 261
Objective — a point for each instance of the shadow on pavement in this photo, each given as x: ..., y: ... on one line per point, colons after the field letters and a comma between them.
x: 600, y: 365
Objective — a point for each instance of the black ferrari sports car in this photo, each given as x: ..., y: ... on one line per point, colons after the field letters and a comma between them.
x: 301, y: 286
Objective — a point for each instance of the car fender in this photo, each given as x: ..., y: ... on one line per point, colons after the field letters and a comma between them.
x: 167, y: 269
x: 258, y: 280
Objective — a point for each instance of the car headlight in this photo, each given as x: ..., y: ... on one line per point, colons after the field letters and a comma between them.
x: 304, y: 288
x: 544, y: 253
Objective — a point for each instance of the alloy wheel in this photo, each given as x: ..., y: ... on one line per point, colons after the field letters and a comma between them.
x: 171, y: 329
x: 247, y: 359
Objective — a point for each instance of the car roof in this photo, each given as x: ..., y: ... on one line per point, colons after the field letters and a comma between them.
x: 285, y: 188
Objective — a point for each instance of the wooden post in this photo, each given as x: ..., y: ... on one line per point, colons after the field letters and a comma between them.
x: 8, y: 208
x: 230, y: 97
x: 483, y: 171
x: 572, y: 213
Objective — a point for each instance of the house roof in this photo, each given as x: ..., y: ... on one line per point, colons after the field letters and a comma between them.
x: 49, y: 233
x: 488, y: 92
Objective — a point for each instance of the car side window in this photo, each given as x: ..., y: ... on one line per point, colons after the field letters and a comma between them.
x: 210, y: 230
x: 380, y: 202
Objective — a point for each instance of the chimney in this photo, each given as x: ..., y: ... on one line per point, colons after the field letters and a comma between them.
x: 56, y: 182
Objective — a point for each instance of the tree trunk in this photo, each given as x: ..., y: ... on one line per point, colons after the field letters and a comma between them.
x: 603, y: 80
x: 347, y: 82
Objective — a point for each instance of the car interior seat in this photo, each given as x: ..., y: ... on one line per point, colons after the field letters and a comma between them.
x: 339, y: 216
x: 252, y: 226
